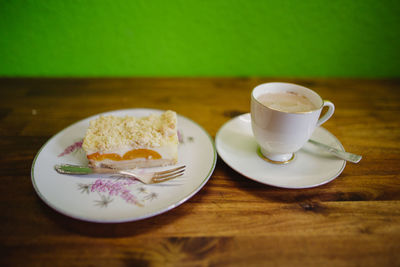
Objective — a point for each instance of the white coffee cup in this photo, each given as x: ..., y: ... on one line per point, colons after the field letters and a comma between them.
x: 280, y: 133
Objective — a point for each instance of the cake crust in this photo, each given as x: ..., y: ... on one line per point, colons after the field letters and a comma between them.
x: 132, y: 142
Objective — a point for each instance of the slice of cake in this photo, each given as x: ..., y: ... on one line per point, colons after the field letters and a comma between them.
x: 129, y: 142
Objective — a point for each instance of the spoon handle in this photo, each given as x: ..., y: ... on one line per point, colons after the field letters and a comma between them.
x: 338, y: 153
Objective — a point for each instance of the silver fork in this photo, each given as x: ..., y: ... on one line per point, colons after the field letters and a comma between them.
x: 146, y: 178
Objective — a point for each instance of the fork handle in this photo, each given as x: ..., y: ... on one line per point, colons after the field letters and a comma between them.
x: 81, y: 170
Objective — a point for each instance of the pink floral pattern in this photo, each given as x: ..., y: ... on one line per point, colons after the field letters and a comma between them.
x: 71, y: 148
x: 116, y: 188
x: 108, y: 188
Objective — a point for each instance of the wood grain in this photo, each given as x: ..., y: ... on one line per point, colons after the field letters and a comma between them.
x: 232, y: 221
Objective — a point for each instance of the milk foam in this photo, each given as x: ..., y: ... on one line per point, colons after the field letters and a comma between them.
x: 287, y: 102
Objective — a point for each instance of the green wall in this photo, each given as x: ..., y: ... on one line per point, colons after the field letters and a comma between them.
x: 314, y: 38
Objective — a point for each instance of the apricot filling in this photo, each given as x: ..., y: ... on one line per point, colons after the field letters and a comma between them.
x: 132, y: 154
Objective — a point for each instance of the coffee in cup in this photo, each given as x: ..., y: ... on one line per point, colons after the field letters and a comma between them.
x: 287, y: 102
x: 283, y: 118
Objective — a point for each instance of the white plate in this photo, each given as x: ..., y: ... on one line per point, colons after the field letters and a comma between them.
x: 98, y: 198
x: 311, y: 166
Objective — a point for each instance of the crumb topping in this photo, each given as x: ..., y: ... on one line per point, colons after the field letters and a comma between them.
x: 108, y: 133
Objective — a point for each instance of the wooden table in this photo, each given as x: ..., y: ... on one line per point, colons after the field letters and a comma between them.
x: 233, y: 221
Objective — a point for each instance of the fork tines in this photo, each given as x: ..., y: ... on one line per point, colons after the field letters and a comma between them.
x: 169, y: 174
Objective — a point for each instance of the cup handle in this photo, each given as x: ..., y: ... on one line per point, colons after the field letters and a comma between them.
x: 328, y: 114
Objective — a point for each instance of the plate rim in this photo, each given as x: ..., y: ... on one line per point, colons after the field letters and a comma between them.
x: 271, y: 184
x: 131, y: 219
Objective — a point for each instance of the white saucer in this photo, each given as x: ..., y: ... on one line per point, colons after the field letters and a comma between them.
x: 311, y: 166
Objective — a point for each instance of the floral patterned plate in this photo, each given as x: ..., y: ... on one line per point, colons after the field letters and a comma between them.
x: 110, y: 199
